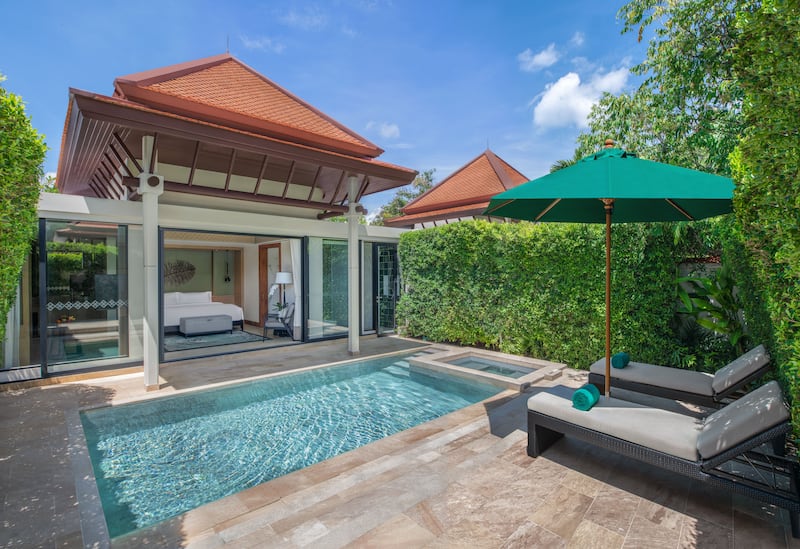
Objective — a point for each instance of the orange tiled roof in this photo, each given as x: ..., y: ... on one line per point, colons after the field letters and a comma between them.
x: 222, y: 89
x: 474, y: 183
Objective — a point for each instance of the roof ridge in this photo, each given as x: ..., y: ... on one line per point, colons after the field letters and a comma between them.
x: 154, y: 76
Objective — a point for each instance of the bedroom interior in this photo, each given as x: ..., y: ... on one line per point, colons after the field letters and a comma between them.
x: 210, y: 277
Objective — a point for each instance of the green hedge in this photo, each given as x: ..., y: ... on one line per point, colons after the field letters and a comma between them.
x: 540, y: 289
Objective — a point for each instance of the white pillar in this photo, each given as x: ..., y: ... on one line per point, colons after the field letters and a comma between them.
x: 151, y: 186
x: 352, y: 267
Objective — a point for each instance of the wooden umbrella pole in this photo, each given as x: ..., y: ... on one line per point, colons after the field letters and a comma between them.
x: 609, y: 207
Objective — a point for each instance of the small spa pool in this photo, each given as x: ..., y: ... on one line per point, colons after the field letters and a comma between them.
x: 490, y: 366
x: 499, y: 369
x: 157, y: 459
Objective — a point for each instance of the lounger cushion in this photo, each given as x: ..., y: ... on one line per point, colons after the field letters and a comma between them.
x: 667, y: 432
x: 688, y: 381
x: 740, y: 368
x: 742, y: 419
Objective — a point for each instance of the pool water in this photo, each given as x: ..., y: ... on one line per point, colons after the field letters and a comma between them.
x: 157, y: 459
x: 490, y: 366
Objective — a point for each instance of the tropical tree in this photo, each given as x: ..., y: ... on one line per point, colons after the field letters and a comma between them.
x: 687, y: 111
x: 22, y: 152
x: 422, y: 183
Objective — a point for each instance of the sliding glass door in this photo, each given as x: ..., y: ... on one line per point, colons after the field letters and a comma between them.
x: 327, y: 288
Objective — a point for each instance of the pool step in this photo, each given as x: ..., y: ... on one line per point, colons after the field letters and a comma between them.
x: 398, y: 369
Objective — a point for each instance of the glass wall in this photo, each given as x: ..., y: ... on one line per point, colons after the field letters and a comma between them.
x: 327, y: 288
x: 85, y: 313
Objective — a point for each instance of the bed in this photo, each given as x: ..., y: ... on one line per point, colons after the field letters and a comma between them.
x: 178, y: 305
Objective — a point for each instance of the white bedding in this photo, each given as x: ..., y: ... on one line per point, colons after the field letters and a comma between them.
x: 179, y: 305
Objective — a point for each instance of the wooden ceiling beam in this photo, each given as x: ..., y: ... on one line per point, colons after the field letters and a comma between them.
x: 174, y: 186
x: 230, y: 169
x: 363, y: 188
x: 261, y: 174
x: 289, y: 179
x: 314, y: 183
x: 338, y: 187
x: 120, y: 159
x: 153, y: 153
x: 194, y: 162
x: 125, y: 148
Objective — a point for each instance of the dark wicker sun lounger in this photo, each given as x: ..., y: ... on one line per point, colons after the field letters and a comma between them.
x: 725, y: 450
x: 686, y: 385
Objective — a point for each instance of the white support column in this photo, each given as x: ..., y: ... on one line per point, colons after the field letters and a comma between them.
x: 353, y: 343
x: 151, y: 186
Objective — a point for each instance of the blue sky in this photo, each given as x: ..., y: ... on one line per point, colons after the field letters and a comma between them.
x: 431, y: 82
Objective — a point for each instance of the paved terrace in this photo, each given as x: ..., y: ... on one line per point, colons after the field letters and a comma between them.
x: 463, y: 480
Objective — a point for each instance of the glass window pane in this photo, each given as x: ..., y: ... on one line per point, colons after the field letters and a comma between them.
x: 87, y: 292
x: 327, y: 307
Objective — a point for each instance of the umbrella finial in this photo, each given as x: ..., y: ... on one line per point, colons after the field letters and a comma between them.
x: 609, y: 144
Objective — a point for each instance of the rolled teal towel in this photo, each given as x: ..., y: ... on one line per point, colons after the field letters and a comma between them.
x: 585, y: 397
x: 620, y: 360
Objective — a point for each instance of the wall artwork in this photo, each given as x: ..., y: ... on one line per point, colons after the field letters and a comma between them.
x: 178, y: 272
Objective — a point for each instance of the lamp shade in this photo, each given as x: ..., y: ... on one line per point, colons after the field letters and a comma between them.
x: 283, y: 278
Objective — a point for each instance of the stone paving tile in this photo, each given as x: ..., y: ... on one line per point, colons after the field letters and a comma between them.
x: 463, y: 480
x: 532, y: 535
x: 702, y: 533
x: 398, y: 533
x: 562, y: 511
x: 752, y: 532
x: 613, y: 509
x: 590, y: 535
x: 648, y: 535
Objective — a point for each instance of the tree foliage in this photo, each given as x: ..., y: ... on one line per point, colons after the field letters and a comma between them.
x: 422, y: 183
x: 766, y: 167
x: 687, y: 111
x: 22, y: 152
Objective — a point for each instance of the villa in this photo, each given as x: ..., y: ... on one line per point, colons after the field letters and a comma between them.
x: 198, y: 192
x: 194, y: 222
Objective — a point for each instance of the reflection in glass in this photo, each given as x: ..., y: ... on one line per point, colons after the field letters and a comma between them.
x: 87, y: 298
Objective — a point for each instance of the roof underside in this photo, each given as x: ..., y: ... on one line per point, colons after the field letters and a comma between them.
x: 202, y: 152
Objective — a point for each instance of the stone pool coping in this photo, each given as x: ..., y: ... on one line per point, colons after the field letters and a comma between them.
x: 438, y: 359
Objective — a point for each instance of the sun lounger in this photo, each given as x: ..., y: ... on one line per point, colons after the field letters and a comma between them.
x: 685, y: 385
x: 704, y: 450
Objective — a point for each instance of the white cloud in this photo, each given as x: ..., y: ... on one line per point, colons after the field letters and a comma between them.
x: 311, y: 18
x: 530, y: 62
x: 262, y: 43
x: 583, y: 65
x: 568, y: 101
x: 577, y: 39
x: 385, y: 129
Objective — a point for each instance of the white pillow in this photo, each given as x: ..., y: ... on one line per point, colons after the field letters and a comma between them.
x: 191, y: 298
x: 171, y: 299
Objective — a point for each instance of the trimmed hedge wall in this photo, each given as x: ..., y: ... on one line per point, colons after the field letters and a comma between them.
x: 540, y: 289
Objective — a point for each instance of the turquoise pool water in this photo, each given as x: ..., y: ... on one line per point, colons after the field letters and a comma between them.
x: 157, y: 459
x: 491, y: 366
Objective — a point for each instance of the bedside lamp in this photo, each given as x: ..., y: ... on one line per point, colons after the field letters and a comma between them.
x: 282, y: 279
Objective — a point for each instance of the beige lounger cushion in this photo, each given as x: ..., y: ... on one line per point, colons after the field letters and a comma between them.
x: 742, y: 419
x: 688, y: 381
x: 740, y: 368
x: 667, y: 432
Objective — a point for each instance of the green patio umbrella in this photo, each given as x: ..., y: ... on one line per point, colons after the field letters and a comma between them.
x: 615, y: 184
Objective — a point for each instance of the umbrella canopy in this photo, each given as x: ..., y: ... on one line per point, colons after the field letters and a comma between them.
x: 615, y: 184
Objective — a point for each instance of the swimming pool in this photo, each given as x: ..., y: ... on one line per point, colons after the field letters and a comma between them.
x: 154, y: 460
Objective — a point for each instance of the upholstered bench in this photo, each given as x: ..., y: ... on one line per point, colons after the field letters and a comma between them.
x: 201, y: 325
